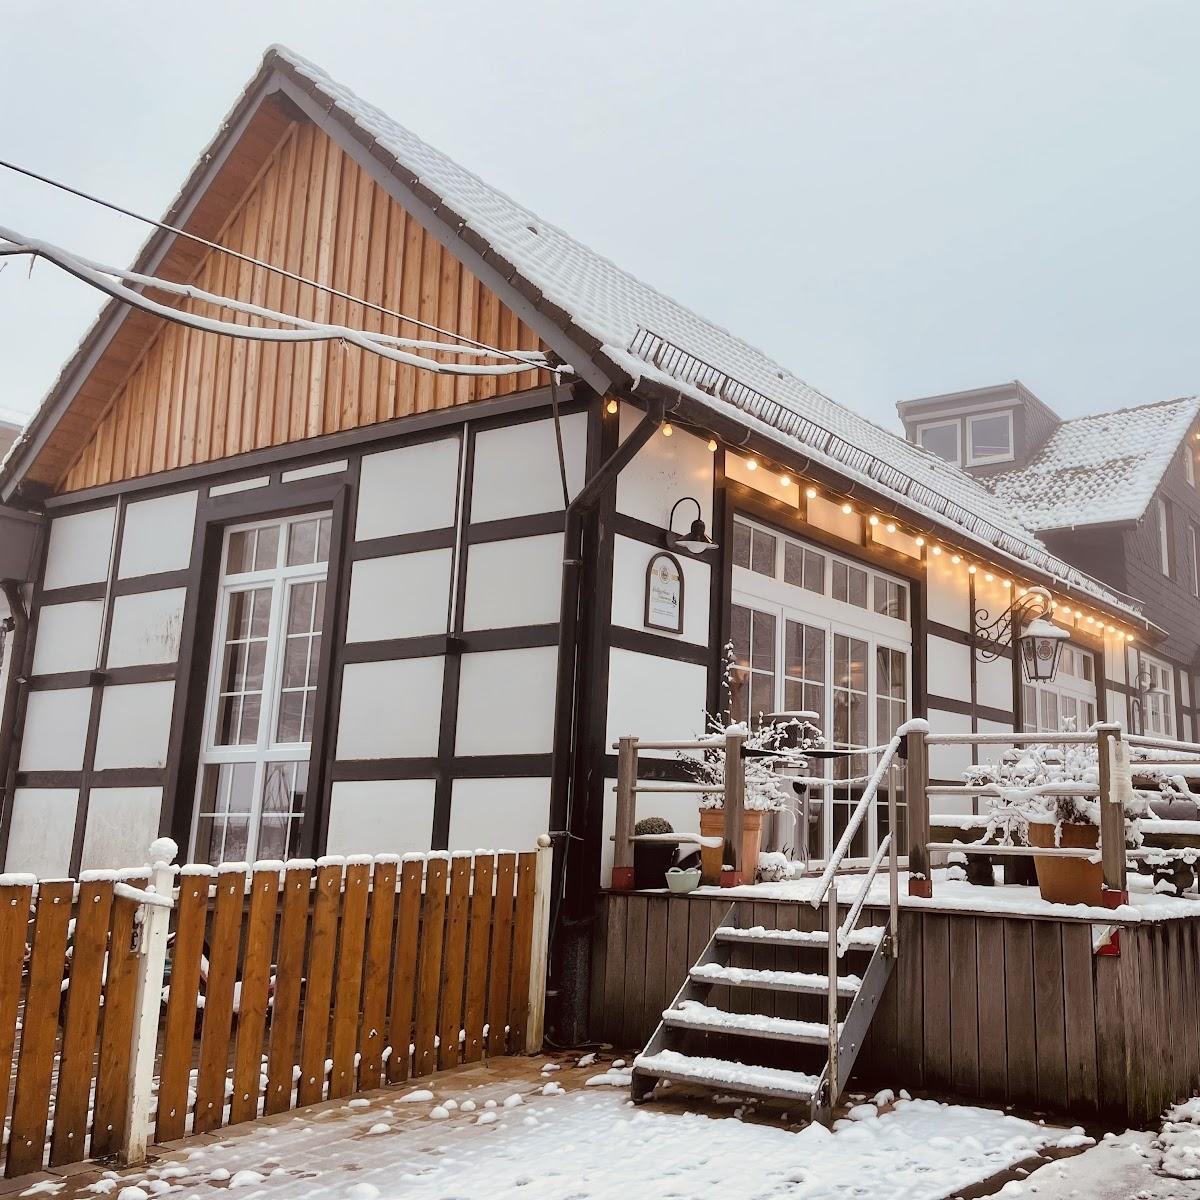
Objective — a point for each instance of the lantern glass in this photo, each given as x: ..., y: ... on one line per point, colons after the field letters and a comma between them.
x: 1041, y: 647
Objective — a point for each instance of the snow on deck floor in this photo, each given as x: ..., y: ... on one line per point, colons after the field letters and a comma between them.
x: 956, y: 895
x: 561, y: 1139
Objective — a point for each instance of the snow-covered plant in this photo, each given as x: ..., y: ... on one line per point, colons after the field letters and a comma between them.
x: 1027, y: 785
x: 765, y: 790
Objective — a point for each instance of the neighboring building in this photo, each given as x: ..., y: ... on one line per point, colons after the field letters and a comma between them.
x: 1113, y: 493
x: 300, y: 599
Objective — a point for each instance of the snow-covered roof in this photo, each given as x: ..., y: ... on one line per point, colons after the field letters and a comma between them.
x: 631, y: 320
x: 1098, y: 469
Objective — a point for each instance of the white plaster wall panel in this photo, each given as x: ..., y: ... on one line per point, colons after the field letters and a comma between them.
x: 682, y: 811
x: 402, y: 595
x: 949, y: 669
x: 56, y: 725
x: 514, y: 582
x: 770, y: 483
x: 498, y: 814
x: 949, y: 762
x: 380, y: 816
x: 656, y: 699
x: 946, y: 594
x: 80, y: 548
x: 663, y: 471
x: 39, y: 840
x: 68, y: 637
x: 991, y: 753
x: 630, y: 559
x: 135, y: 725
x: 506, y: 701
x: 994, y: 683
x: 516, y: 468
x: 898, y: 540
x: 408, y: 489
x: 158, y: 535
x: 146, y: 627
x: 826, y: 515
x: 391, y: 709
x: 121, y: 824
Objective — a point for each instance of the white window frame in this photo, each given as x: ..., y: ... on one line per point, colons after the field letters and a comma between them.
x: 1189, y: 464
x: 265, y: 749
x: 1158, y: 711
x: 956, y: 425
x: 790, y: 602
x: 1194, y: 557
x: 1164, y: 538
x: 974, y: 460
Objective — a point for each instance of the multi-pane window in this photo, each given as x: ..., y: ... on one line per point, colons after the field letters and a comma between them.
x: 1157, y: 686
x: 263, y: 687
x: 815, y: 632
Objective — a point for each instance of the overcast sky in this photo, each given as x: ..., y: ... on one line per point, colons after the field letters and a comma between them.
x: 893, y: 199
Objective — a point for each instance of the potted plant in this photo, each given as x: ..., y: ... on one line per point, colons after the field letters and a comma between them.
x: 652, y: 859
x: 1030, y: 808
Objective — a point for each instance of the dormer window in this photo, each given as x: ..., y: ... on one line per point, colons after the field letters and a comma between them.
x: 942, y: 438
x: 989, y: 438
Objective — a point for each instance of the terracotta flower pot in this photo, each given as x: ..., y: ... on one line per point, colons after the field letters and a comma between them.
x: 1067, y: 880
x: 712, y: 824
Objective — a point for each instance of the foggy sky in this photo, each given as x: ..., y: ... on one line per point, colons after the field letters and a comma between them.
x: 892, y: 199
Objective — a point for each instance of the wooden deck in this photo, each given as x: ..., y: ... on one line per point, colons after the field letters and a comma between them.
x: 1013, y: 1009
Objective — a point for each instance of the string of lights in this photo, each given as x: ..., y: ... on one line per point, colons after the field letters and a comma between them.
x: 930, y: 550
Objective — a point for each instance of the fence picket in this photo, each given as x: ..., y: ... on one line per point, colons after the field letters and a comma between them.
x: 518, y: 1004
x: 15, y: 899
x: 375, y: 975
x: 218, y: 1001
x: 82, y: 1022
x: 314, y: 1040
x: 255, y: 994
x: 39, y: 1031
x: 182, y: 1006
x: 477, y: 955
x: 502, y: 946
x: 116, y: 1029
x: 349, y: 978
x: 433, y: 921
x: 285, y: 1012
x: 454, y: 964
x: 404, y: 971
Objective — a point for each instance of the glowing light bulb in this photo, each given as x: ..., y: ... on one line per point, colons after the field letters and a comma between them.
x: 1008, y: 583
x: 847, y: 509
x: 890, y: 527
x: 712, y: 444
x: 785, y: 481
x: 752, y: 464
x: 1078, y: 614
x: 989, y: 577
x: 972, y: 569
x: 873, y: 519
x: 1022, y: 591
x: 1111, y: 629
x: 920, y: 541
x: 1129, y: 638
x: 811, y: 493
x: 611, y: 407
x: 667, y: 430
x: 956, y: 559
x: 937, y: 550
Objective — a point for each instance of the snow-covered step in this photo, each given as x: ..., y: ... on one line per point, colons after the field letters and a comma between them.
x: 720, y: 1073
x: 704, y: 1018
x: 774, y: 981
x: 860, y: 939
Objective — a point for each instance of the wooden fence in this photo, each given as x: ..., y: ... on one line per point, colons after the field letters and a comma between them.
x: 284, y: 985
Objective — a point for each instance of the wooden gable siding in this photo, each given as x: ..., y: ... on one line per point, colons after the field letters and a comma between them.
x: 194, y: 397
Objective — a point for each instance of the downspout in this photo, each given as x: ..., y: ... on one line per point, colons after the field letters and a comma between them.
x: 8, y: 713
x: 568, y: 816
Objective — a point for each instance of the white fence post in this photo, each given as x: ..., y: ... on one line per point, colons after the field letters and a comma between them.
x: 155, y: 925
x: 535, y: 1025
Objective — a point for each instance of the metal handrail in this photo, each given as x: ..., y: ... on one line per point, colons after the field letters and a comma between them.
x: 847, y: 925
x: 860, y: 810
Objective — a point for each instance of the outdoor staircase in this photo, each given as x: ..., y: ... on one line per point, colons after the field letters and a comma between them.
x: 783, y: 1013
x: 724, y: 1029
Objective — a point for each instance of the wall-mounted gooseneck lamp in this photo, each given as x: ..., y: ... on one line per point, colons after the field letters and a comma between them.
x: 1026, y: 621
x: 696, y: 540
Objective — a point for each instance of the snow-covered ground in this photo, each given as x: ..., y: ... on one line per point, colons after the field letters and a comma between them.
x: 560, y: 1131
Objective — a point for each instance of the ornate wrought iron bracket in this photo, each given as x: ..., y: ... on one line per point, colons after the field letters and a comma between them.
x: 992, y: 635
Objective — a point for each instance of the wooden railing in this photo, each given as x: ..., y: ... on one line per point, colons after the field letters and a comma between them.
x: 284, y: 985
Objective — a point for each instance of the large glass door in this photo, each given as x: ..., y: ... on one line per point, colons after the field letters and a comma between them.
x: 812, y: 630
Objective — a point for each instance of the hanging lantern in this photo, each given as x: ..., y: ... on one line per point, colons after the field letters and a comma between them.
x: 1041, y: 644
